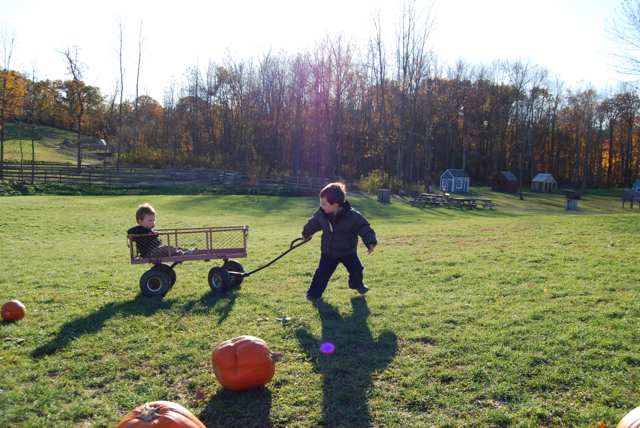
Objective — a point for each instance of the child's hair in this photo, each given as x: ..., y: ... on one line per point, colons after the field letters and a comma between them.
x: 335, y: 193
x: 143, y: 210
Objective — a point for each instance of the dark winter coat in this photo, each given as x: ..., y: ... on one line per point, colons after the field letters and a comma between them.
x: 144, y: 244
x: 340, y: 232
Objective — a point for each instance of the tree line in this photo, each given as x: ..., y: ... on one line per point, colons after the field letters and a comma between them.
x: 340, y: 110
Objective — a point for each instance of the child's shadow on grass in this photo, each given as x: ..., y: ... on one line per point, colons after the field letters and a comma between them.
x: 347, y: 373
x: 141, y: 305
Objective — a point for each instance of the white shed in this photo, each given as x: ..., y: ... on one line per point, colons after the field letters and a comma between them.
x: 544, y: 183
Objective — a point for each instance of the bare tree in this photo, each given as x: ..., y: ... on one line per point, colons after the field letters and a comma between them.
x: 624, y: 32
x: 520, y: 75
x: 135, y: 114
x: 414, y: 64
x: 378, y: 67
x: 120, y: 53
x: 7, y: 45
x: 169, y: 117
x: 77, y: 91
x: 32, y: 103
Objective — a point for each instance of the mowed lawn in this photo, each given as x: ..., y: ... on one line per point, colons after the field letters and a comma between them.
x: 483, y: 318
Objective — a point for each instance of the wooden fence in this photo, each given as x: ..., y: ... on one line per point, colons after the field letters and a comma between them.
x: 145, y: 175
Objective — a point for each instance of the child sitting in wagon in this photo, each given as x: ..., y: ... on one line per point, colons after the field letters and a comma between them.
x: 149, y: 246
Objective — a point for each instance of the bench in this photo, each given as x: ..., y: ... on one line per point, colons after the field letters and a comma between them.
x: 454, y: 204
x: 487, y: 204
x: 424, y: 203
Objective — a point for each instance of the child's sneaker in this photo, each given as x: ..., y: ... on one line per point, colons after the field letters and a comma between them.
x: 310, y: 297
x: 191, y: 252
x: 362, y: 289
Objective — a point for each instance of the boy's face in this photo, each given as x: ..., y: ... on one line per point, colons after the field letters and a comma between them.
x: 148, y: 221
x: 327, y: 207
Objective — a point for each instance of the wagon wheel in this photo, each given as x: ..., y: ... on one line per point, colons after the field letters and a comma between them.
x: 169, y: 271
x: 219, y: 279
x: 234, y: 266
x: 154, y: 282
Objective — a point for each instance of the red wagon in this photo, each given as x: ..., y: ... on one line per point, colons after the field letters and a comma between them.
x: 175, y: 246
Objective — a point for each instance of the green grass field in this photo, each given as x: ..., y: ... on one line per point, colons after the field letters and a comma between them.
x: 483, y: 318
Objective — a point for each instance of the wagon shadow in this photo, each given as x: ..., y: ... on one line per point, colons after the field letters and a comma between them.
x: 347, y: 373
x: 251, y: 408
x: 140, y: 306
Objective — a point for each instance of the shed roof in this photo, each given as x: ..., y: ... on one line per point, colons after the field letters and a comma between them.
x: 543, y: 177
x: 458, y: 173
x: 509, y: 175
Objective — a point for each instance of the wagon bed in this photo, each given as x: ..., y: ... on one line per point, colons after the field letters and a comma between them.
x: 223, y: 242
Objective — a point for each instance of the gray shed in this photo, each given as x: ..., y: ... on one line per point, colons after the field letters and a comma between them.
x: 544, y: 183
x: 454, y: 180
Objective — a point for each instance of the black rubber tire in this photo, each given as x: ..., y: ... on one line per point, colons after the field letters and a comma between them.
x: 234, y: 266
x: 154, y: 282
x: 169, y: 271
x: 219, y: 279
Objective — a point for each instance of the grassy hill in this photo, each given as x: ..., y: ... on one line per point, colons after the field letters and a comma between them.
x: 17, y: 144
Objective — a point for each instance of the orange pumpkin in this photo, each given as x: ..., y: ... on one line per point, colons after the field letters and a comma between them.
x: 244, y: 362
x: 160, y: 414
x: 13, y: 310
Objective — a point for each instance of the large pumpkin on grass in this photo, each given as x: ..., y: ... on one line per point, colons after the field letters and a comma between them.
x: 244, y: 362
x: 160, y: 414
x: 13, y: 310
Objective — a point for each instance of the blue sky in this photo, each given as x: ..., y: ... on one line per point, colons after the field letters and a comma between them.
x: 565, y: 36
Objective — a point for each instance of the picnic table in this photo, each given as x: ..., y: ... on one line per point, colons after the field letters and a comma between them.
x: 425, y: 199
x: 470, y: 203
x: 463, y: 202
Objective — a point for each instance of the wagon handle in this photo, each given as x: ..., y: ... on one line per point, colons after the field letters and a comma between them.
x: 291, y: 247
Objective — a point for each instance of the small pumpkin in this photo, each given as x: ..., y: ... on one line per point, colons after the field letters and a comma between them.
x: 13, y: 310
x: 244, y: 362
x: 160, y: 414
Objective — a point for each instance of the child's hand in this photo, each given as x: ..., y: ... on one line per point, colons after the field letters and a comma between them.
x: 371, y: 248
x: 304, y: 239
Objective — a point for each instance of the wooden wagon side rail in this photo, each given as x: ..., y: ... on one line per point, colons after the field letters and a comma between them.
x: 203, y: 243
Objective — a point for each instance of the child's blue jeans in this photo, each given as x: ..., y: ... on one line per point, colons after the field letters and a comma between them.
x: 328, y: 265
